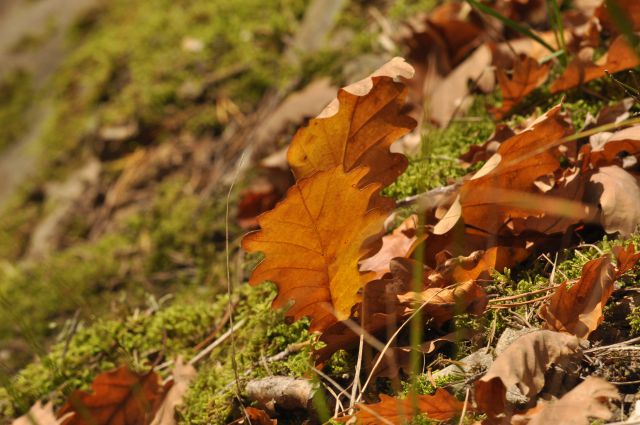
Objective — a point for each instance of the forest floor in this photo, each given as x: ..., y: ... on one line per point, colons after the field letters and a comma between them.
x: 140, y: 141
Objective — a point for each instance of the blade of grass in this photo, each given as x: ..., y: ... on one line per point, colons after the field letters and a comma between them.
x: 623, y: 24
x: 511, y: 24
x: 555, y: 18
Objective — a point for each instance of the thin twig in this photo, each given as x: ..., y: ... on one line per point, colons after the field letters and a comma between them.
x: 217, y: 342
x: 618, y: 344
x: 510, y: 305
x: 464, y: 407
x: 234, y: 363
x: 428, y: 195
x: 526, y: 294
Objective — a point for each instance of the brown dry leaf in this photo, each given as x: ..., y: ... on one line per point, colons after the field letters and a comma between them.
x: 484, y: 151
x: 39, y: 415
x: 259, y: 417
x: 495, y: 258
x: 119, y: 397
x: 626, y: 258
x: 444, y: 303
x: 441, y: 406
x: 523, y: 364
x: 312, y: 244
x: 631, y: 10
x: 445, y: 33
x: 357, y: 129
x: 262, y: 195
x: 450, y: 97
x: 402, y: 355
x: 578, y: 310
x: 396, y: 244
x: 617, y: 192
x: 608, y: 148
x: 389, y: 301
x: 519, y: 162
x: 587, y: 401
x: 620, y: 57
x: 382, y: 309
x: 183, y: 374
x: 527, y: 75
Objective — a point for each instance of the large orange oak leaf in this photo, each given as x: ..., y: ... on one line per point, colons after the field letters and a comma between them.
x: 357, y: 129
x: 578, y: 310
x: 312, y: 242
x: 523, y: 364
x: 528, y: 74
x: 119, y: 397
x: 619, y: 57
x: 441, y: 406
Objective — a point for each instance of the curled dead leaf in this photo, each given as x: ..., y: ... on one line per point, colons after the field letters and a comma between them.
x: 578, y: 310
x: 589, y: 400
x: 522, y: 364
x: 396, y: 244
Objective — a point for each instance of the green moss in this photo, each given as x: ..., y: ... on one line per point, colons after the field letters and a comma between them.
x: 264, y: 333
x: 140, y: 340
x: 16, y: 94
x: 403, y: 9
x: 438, y: 162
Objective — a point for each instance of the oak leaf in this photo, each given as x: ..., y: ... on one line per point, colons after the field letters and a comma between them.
x: 626, y: 258
x: 619, y: 57
x: 396, y: 244
x: 509, y: 174
x: 612, y: 148
x: 390, y: 300
x: 357, y: 129
x: 312, y: 242
x: 589, y: 400
x: 119, y: 397
x: 523, y: 364
x: 440, y: 406
x: 528, y: 74
x: 617, y: 192
x: 443, y: 303
x: 578, y: 310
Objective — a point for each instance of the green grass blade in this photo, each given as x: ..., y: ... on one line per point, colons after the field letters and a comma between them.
x: 510, y: 23
x: 623, y: 24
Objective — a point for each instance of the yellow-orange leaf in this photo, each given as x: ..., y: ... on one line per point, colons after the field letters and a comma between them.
x: 312, y: 243
x: 360, y: 131
x: 440, y: 406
